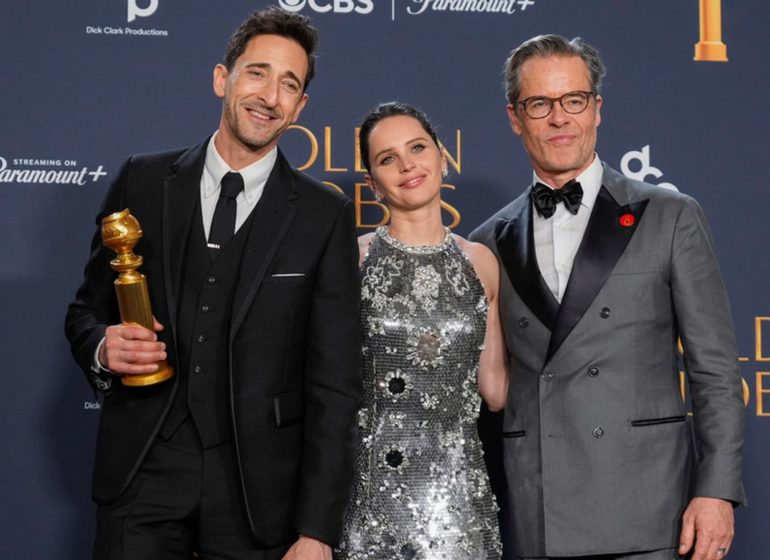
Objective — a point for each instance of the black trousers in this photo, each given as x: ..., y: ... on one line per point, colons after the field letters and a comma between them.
x: 184, y: 500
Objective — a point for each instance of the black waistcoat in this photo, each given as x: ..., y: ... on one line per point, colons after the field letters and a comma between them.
x: 203, y: 329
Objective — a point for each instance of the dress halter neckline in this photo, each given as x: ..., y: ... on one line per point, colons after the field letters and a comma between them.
x: 383, y: 233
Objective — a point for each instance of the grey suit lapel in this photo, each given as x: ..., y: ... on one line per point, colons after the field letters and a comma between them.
x: 272, y: 217
x: 516, y: 247
x: 610, y: 228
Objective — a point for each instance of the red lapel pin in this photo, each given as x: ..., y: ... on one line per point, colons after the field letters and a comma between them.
x: 627, y: 220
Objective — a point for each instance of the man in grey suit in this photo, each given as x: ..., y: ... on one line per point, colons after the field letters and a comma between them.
x: 601, y: 276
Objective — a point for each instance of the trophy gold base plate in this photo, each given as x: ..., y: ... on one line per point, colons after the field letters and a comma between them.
x: 165, y: 372
x: 711, y: 51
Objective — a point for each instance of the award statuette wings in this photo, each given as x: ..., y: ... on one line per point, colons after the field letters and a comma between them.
x: 121, y: 232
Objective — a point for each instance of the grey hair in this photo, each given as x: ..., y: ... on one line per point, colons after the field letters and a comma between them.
x: 551, y: 45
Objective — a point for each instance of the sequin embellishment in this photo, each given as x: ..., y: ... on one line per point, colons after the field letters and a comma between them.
x: 421, y: 490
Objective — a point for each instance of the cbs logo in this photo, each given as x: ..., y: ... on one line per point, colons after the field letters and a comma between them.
x: 337, y: 6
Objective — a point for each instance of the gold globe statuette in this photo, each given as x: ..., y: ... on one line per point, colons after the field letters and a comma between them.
x: 710, y: 47
x: 121, y: 232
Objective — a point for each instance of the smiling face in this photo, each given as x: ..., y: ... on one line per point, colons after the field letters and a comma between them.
x: 560, y: 145
x: 262, y: 96
x: 406, y: 165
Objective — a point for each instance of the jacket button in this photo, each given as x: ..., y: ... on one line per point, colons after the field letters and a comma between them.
x: 205, y: 308
x: 598, y: 432
x: 593, y: 371
x: 211, y: 280
x: 197, y: 369
x: 523, y: 322
x: 201, y: 338
x: 605, y: 312
x: 547, y: 375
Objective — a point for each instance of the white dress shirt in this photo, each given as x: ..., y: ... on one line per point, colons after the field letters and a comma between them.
x: 557, y: 238
x: 254, y: 180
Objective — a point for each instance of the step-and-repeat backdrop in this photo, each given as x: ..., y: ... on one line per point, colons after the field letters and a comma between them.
x: 87, y: 83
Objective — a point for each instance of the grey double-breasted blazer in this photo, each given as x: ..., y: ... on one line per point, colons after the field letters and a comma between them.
x: 600, y: 453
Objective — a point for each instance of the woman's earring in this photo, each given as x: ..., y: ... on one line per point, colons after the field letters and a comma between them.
x: 377, y: 196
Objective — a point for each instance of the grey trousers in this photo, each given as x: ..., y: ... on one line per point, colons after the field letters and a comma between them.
x: 665, y: 554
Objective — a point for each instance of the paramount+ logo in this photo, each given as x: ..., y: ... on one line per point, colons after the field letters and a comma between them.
x: 324, y: 6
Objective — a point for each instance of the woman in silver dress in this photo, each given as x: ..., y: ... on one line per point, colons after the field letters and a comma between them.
x: 432, y: 345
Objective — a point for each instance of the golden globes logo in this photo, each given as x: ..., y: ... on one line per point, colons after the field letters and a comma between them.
x: 710, y: 48
x: 761, y: 378
x: 755, y: 382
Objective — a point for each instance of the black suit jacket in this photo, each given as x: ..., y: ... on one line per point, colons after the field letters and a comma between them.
x: 293, y: 343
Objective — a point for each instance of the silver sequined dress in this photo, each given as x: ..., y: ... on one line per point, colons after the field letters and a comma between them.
x: 421, y: 490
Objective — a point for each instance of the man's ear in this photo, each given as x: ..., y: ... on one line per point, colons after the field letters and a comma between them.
x: 513, y: 118
x: 300, y: 106
x: 598, y: 118
x: 221, y: 74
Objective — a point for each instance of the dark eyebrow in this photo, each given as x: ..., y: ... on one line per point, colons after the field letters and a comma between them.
x: 412, y: 141
x: 268, y: 66
x: 265, y: 65
x: 294, y: 77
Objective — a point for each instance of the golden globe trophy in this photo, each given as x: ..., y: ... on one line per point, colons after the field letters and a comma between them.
x: 710, y: 48
x: 121, y: 232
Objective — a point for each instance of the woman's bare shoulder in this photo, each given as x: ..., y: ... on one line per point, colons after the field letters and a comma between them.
x: 478, y: 253
x: 363, y: 246
x: 484, y: 263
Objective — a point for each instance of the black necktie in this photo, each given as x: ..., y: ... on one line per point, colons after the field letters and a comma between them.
x: 545, y: 199
x: 223, y: 224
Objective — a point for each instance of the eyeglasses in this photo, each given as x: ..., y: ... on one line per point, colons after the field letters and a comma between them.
x: 573, y: 102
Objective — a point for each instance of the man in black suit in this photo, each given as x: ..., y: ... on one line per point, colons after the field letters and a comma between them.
x: 247, y: 451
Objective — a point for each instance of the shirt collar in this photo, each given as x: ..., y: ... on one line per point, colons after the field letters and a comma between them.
x: 254, y: 175
x: 590, y: 180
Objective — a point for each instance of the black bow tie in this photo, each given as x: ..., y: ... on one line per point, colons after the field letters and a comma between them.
x: 545, y: 198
